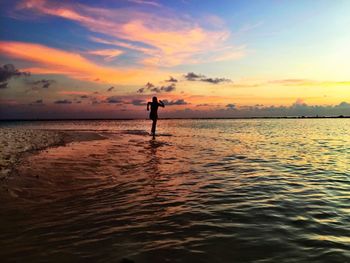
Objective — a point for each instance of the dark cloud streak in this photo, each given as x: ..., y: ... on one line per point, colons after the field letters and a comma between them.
x: 65, y: 101
x: 215, y: 80
x: 7, y: 72
x: 110, y: 89
x: 175, y: 102
x: 191, y: 76
x: 152, y: 88
x: 231, y: 106
x: 138, y: 103
x: 114, y: 100
x: 44, y: 83
x: 3, y: 85
x: 171, y: 79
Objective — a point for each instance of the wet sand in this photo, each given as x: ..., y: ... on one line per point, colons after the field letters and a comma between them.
x: 19, y: 142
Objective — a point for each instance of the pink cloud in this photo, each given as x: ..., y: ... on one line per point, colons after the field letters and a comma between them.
x: 171, y: 39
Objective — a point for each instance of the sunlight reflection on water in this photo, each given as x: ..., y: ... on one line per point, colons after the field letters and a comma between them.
x: 203, y: 191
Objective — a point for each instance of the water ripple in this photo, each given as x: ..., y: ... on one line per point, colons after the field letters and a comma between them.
x: 205, y: 191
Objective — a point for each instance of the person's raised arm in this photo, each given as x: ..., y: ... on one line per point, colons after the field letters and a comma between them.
x: 148, y: 103
x: 161, y: 103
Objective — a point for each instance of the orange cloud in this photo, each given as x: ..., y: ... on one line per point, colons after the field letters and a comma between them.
x: 172, y: 40
x: 56, y: 61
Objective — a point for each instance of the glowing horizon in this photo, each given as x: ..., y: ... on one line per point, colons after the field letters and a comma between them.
x: 223, y: 59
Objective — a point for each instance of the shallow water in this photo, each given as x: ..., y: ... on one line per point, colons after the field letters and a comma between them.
x: 202, y: 191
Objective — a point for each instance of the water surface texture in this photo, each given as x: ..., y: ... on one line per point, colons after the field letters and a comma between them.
x: 202, y: 191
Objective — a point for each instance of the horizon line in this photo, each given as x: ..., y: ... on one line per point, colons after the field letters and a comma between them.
x: 196, y: 118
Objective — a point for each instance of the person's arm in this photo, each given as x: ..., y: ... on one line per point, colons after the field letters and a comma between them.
x: 161, y: 103
x: 148, y: 103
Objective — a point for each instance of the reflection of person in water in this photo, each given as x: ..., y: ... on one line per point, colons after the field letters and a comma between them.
x: 154, y: 113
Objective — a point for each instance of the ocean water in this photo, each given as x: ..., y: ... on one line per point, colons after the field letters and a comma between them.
x: 202, y: 191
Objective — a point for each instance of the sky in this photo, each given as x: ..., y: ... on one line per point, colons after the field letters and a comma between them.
x: 223, y: 58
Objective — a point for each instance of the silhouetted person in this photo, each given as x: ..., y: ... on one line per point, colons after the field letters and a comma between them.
x: 154, y: 113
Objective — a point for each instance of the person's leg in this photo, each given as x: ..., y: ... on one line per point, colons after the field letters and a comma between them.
x: 154, y: 123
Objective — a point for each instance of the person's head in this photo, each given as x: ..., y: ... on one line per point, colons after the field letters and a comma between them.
x: 154, y: 99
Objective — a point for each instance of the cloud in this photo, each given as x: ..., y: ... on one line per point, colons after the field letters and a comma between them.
x: 290, y: 81
x: 3, y: 85
x: 108, y: 54
x: 344, y: 105
x: 114, y: 100
x: 171, y: 38
x: 72, y: 92
x: 152, y: 88
x: 143, y: 2
x: 171, y: 79
x: 155, y: 89
x: 44, y: 83
x: 254, y: 83
x: 118, y: 100
x: 13, y: 109
x: 95, y: 101
x: 138, y: 102
x: 299, y: 102
x: 175, y: 102
x: 125, y: 45
x: 40, y: 101
x: 168, y: 88
x: 7, y: 72
x: 110, y: 89
x: 191, y: 76
x: 231, y: 106
x: 149, y: 85
x: 294, y: 110
x: 297, y: 109
x: 58, y: 61
x: 141, y: 90
x: 215, y: 80
x: 308, y: 82
x: 65, y: 101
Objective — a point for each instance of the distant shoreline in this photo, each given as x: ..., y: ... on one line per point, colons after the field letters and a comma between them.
x: 207, y: 118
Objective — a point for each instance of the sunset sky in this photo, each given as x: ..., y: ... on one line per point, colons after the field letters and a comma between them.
x: 224, y: 58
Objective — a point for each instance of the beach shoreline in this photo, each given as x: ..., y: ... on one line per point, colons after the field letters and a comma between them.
x: 19, y: 143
